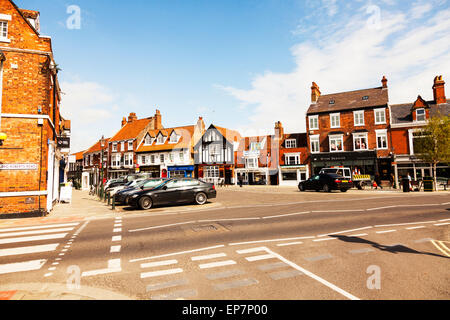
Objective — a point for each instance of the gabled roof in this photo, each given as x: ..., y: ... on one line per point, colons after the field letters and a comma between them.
x: 185, y: 141
x: 23, y: 13
x: 245, y: 143
x: 131, y: 130
x: 230, y: 135
x: 97, y: 147
x: 402, y: 113
x: 350, y: 100
x: 78, y: 155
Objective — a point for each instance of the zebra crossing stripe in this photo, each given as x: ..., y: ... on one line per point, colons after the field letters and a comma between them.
x: 22, y: 266
x: 39, y: 227
x: 28, y: 250
x: 34, y: 238
x: 25, y: 233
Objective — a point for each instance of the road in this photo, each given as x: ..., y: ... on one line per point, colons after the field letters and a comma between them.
x: 320, y: 246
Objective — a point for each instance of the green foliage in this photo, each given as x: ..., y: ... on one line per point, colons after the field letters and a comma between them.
x: 433, y: 146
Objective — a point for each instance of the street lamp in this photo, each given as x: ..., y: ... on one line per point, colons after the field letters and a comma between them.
x: 102, y: 144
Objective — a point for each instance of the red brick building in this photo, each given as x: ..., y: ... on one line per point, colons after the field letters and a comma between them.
x: 406, y: 120
x: 123, y: 145
x: 93, y: 167
x: 31, y: 154
x: 350, y: 129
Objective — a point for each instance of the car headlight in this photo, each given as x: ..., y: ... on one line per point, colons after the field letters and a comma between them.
x: 135, y: 196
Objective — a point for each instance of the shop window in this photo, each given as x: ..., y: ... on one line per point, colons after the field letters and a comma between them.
x: 360, y: 142
x: 336, y: 143
x: 212, y: 172
x: 289, y: 176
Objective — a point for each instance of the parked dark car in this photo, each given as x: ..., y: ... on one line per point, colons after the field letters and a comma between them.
x: 124, y: 195
x: 174, y: 191
x: 326, y: 182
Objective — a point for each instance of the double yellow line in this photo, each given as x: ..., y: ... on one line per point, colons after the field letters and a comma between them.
x: 440, y: 245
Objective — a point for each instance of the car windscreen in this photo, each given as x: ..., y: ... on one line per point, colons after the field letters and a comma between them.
x: 154, y: 183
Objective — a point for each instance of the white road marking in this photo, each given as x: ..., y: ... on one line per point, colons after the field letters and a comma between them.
x: 163, y: 226
x: 158, y: 264
x: 413, y: 228
x: 359, y: 235
x: 271, y: 240
x: 235, y: 219
x: 251, y: 250
x: 324, y: 239
x: 39, y: 227
x: 444, y: 220
x: 345, y: 231
x: 442, y: 224
x: 286, y: 215
x: 22, y: 266
x: 315, y: 277
x: 25, y: 233
x: 52, y: 269
x: 113, y: 267
x: 115, y: 249
x: 117, y: 230
x: 81, y: 229
x: 177, y: 253
x: 160, y: 273
x: 386, y: 231
x: 28, y: 250
x: 289, y: 244
x: 48, y: 274
x: 217, y: 264
x: 55, y: 263
x: 33, y: 238
x: 402, y: 224
x: 116, y: 238
x: 261, y: 257
x: 209, y: 257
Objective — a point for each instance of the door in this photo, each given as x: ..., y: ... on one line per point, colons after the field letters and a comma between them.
x: 50, y: 177
x: 171, y: 195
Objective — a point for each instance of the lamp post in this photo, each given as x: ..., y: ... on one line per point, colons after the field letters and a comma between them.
x: 102, y: 144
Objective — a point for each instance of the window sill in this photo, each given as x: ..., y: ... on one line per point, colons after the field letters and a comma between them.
x: 5, y: 40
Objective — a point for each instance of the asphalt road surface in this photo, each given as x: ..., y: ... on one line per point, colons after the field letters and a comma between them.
x: 328, y: 247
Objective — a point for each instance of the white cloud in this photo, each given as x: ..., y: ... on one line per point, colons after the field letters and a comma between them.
x: 352, y: 57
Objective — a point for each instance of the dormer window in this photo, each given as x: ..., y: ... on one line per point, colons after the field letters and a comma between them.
x: 174, y: 138
x: 420, y: 115
x: 291, y: 143
x: 332, y: 102
x: 160, y: 139
x: 148, y: 140
x: 365, y: 98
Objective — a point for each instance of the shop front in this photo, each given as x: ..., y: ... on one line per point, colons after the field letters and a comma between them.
x: 293, y: 175
x: 181, y: 171
x: 365, y: 163
x: 153, y: 171
x: 215, y: 173
x: 253, y: 176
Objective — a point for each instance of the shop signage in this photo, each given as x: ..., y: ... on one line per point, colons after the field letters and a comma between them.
x: 63, y: 142
x: 182, y: 168
x: 344, y: 156
x: 18, y: 166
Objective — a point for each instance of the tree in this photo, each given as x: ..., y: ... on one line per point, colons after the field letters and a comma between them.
x: 432, y: 143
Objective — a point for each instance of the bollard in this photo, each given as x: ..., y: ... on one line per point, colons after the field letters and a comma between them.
x: 114, y: 202
x: 109, y: 199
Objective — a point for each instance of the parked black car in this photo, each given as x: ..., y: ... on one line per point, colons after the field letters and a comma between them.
x: 326, y: 182
x: 174, y: 191
x: 124, y: 195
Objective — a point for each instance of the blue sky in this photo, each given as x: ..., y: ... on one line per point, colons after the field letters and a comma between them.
x: 239, y: 64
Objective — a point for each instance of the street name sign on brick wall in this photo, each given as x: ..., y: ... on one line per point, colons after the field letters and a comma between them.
x: 18, y: 166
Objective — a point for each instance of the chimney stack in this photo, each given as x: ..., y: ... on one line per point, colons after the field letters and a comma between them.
x: 315, y: 93
x: 158, y: 120
x: 439, y: 90
x: 201, y: 125
x: 384, y: 81
x: 132, y: 117
x: 279, y: 130
x: 124, y: 121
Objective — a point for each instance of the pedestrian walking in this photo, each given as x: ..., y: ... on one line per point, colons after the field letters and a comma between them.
x: 241, y: 180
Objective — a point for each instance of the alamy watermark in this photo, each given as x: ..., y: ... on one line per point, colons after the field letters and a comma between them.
x: 74, y: 279
x: 374, y: 281
x: 73, y: 22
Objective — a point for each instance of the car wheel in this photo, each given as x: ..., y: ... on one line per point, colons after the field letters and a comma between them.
x: 301, y: 187
x: 344, y: 190
x: 145, y: 203
x: 326, y: 188
x: 201, y: 198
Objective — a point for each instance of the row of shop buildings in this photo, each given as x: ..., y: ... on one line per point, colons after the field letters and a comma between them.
x: 358, y: 129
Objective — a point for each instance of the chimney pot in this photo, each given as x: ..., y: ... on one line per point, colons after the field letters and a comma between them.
x: 384, y: 81
x: 315, y: 93
x: 439, y: 90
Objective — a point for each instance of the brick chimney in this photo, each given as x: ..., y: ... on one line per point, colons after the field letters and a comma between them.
x: 201, y: 125
x: 124, y: 121
x: 132, y: 117
x: 158, y: 120
x: 384, y: 81
x: 439, y: 90
x: 315, y: 93
x: 279, y: 130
